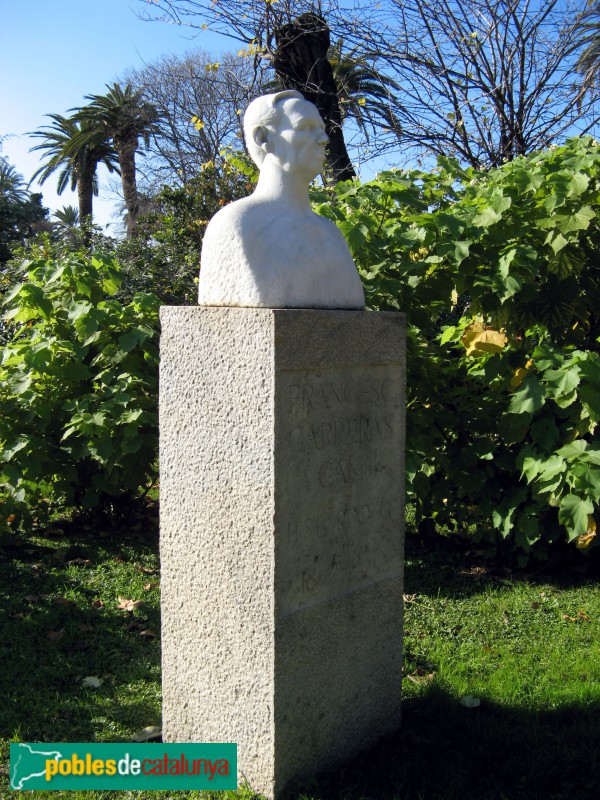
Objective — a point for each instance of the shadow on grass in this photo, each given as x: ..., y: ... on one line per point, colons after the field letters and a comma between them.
x: 448, y: 567
x: 54, y: 633
x: 444, y: 751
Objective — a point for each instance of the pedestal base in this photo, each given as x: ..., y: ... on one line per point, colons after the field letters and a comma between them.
x: 281, y: 459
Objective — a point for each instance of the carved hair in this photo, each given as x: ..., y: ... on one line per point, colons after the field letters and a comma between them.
x: 263, y: 112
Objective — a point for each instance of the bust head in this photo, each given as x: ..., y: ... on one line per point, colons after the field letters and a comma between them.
x: 286, y: 130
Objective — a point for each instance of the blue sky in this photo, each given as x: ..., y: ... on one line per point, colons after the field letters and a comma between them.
x: 54, y: 52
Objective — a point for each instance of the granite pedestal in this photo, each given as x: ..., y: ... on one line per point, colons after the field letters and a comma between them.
x: 281, y: 462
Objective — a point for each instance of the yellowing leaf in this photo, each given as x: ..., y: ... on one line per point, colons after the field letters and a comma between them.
x: 519, y: 376
x: 479, y: 340
x: 584, y: 540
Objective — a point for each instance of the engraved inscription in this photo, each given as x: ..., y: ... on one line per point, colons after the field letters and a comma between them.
x: 341, y: 507
x: 331, y: 394
x: 340, y: 432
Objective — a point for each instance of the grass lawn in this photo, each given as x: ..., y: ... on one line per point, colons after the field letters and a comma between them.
x: 526, y: 648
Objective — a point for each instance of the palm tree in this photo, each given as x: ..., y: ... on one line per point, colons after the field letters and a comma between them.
x: 75, y: 147
x: 589, y: 60
x: 124, y: 117
x: 363, y: 92
x: 66, y: 225
x: 12, y: 185
x: 67, y: 217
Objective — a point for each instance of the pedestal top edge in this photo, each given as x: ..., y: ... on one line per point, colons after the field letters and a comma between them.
x: 328, y: 312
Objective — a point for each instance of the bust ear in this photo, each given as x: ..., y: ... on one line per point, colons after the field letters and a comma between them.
x: 261, y: 137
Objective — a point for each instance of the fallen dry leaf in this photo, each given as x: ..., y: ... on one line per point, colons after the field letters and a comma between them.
x: 149, y: 734
x: 38, y: 567
x: 422, y: 679
x: 86, y: 628
x: 32, y: 598
x: 83, y: 562
x: 149, y: 633
x: 97, y: 604
x: 63, y: 601
x: 145, y: 570
x: 56, y: 634
x: 149, y: 586
x: 125, y: 604
x: 409, y: 598
x: 581, y: 617
x: 535, y: 606
x: 477, y: 573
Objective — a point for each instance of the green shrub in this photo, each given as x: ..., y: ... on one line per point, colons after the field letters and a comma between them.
x: 78, y: 389
x: 498, y: 273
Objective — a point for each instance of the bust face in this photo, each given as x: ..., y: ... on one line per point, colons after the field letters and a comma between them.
x: 298, y: 142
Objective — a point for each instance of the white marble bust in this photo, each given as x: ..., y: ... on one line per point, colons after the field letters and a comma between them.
x: 270, y: 250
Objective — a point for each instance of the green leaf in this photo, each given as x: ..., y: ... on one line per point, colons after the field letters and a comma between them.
x: 552, y: 467
x: 573, y: 449
x: 556, y: 241
x: 447, y: 334
x: 355, y: 234
x: 502, y: 516
x: 9, y: 450
x: 130, y: 340
x: 578, y: 221
x: 529, y: 398
x: 585, y: 479
x: 573, y: 514
x: 505, y: 261
x: 532, y: 465
x: 545, y: 433
x: 561, y: 382
x: 486, y: 218
x: 112, y: 282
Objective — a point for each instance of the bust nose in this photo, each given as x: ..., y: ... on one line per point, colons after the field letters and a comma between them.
x: 323, y: 138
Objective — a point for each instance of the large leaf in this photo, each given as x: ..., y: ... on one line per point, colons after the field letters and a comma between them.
x: 573, y: 514
x: 529, y: 398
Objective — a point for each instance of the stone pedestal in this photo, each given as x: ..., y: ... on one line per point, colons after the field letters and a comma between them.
x: 282, y: 472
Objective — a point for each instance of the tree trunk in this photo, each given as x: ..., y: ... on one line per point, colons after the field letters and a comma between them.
x: 300, y: 62
x: 85, y: 195
x: 126, y: 148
